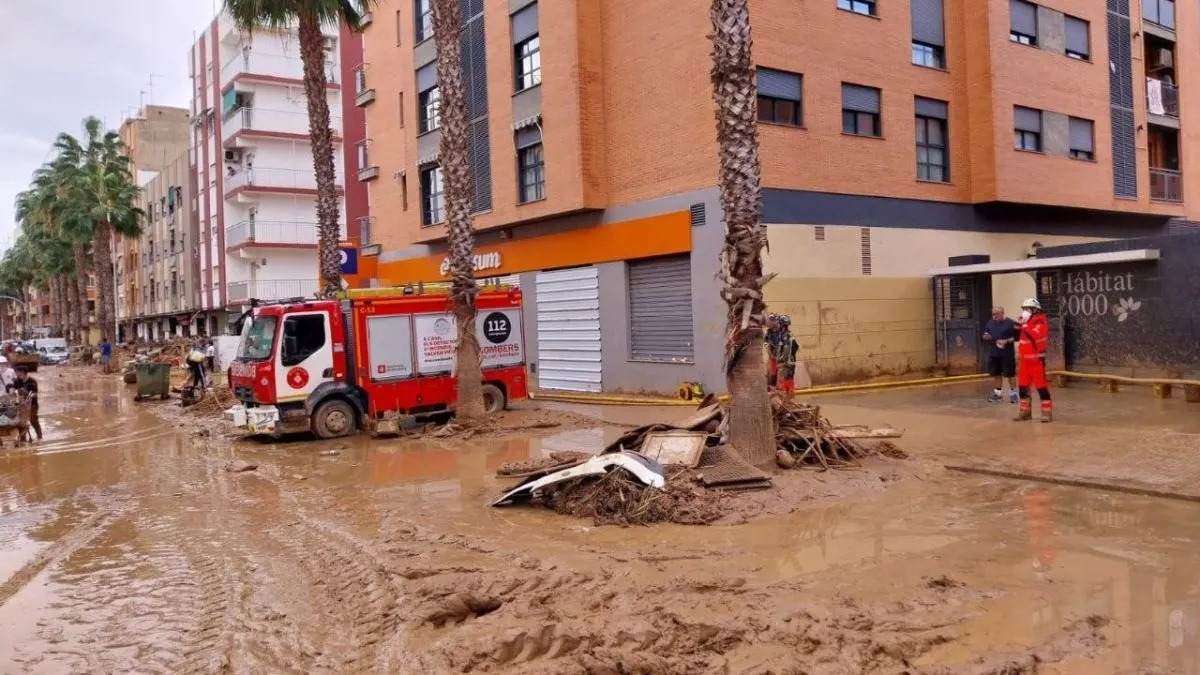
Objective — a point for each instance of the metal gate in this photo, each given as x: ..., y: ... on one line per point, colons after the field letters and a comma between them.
x: 568, y: 329
x: 956, y: 324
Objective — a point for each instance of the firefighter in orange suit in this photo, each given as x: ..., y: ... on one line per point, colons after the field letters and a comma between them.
x: 1033, y: 337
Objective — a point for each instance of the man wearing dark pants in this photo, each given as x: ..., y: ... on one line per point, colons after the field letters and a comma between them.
x: 28, y: 387
x: 1001, y: 333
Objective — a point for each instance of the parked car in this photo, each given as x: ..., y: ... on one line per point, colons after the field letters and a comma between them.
x: 54, y: 355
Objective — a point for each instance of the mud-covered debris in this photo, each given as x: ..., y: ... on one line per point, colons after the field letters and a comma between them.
x: 942, y: 582
x: 617, y: 498
x: 239, y: 466
x: 330, y: 453
x: 638, y: 466
x: 542, y: 464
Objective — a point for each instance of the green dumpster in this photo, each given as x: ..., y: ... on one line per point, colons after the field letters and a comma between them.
x: 153, y: 379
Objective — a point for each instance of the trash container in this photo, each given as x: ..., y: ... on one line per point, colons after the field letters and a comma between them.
x: 153, y: 379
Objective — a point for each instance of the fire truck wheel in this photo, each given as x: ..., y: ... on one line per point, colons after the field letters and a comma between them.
x: 493, y: 399
x: 333, y: 419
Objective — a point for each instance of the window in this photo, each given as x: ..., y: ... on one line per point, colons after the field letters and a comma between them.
x: 933, y: 143
x: 930, y: 56
x: 360, y: 79
x: 1082, y: 141
x: 1161, y: 12
x: 928, y: 33
x: 428, y: 99
x: 400, y: 108
x: 1027, y: 129
x: 303, y: 336
x: 433, y: 203
x: 858, y: 6
x: 780, y: 97
x: 860, y: 111
x: 399, y: 26
x: 363, y: 159
x: 1022, y: 22
x: 661, y: 327
x: 1078, y: 44
x: 424, y: 19
x: 527, y: 56
x: 531, y: 165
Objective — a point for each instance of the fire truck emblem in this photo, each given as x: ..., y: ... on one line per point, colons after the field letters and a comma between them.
x: 297, y: 378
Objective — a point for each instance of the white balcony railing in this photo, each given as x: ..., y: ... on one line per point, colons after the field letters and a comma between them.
x: 279, y: 121
x: 270, y: 232
x: 272, y: 289
x: 270, y: 65
x: 281, y: 179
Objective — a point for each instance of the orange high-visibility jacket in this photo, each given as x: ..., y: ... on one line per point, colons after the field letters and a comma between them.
x: 1034, y: 336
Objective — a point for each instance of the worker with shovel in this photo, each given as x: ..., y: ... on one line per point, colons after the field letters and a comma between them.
x: 1033, y: 338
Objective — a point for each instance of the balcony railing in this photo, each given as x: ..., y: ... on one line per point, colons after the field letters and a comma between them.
x: 280, y: 121
x: 271, y: 65
x: 270, y: 232
x: 365, y: 234
x: 272, y: 289
x: 1162, y: 98
x: 280, y: 179
x: 1166, y: 185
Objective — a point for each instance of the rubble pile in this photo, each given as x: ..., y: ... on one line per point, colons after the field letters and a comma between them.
x: 684, y: 472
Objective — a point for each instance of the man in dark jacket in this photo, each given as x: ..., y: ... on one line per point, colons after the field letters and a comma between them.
x: 28, y: 387
x: 1001, y: 334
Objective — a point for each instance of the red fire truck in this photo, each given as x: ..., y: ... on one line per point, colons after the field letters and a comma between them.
x: 368, y: 360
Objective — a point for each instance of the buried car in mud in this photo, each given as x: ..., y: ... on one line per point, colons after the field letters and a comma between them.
x: 368, y: 360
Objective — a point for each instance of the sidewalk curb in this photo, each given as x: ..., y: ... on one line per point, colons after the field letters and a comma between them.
x: 1057, y: 479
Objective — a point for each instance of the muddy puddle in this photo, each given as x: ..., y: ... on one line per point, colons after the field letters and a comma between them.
x: 126, y: 545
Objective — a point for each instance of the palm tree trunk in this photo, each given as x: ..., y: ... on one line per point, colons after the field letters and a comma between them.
x: 71, y: 300
x: 56, y: 306
x: 312, y: 53
x: 456, y: 174
x: 751, y: 428
x: 80, y: 288
x: 106, y: 296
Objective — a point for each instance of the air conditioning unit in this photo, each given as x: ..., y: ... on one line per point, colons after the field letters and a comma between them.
x: 1163, y: 58
x: 233, y: 155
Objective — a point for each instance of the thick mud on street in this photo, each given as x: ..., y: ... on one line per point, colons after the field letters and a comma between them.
x: 127, y: 545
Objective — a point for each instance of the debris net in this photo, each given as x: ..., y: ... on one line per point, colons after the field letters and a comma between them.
x: 617, y: 498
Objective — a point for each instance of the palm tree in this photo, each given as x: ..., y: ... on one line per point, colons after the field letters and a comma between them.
x: 251, y: 15
x: 455, y: 160
x: 54, y: 257
x: 96, y: 174
x: 751, y: 428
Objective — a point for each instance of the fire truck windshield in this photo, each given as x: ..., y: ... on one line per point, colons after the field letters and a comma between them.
x: 258, y: 337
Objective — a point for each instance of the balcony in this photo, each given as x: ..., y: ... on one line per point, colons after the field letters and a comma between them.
x: 362, y: 93
x: 272, y: 123
x: 1166, y: 185
x: 270, y: 233
x: 271, y: 289
x: 1162, y: 98
x: 271, y: 68
x: 294, y: 181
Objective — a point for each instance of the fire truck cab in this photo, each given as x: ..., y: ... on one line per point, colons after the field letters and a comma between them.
x: 368, y: 360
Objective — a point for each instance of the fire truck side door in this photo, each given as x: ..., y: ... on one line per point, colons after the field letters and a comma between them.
x: 305, y: 357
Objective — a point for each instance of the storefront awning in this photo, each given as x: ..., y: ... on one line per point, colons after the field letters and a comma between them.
x: 1031, y: 264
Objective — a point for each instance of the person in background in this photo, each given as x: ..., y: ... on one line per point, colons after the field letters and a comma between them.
x: 772, y: 336
x: 105, y: 353
x: 1033, y: 331
x: 7, y: 376
x: 195, y: 361
x: 28, y: 387
x: 1001, y: 334
x: 783, y: 352
x: 210, y: 356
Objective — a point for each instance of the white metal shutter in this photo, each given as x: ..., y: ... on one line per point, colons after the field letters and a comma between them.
x: 660, y: 310
x: 568, y: 329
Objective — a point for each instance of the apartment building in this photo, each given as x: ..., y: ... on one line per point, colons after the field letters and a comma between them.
x: 894, y: 136
x: 154, y: 139
x: 251, y: 154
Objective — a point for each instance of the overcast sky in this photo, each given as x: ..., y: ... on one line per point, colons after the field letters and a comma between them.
x: 62, y: 60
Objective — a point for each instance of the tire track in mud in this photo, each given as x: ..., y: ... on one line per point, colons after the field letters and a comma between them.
x: 359, y: 601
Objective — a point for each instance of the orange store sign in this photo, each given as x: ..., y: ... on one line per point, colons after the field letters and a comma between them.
x: 664, y: 234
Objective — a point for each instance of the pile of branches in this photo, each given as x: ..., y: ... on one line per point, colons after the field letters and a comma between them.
x: 617, y: 498
x: 805, y: 438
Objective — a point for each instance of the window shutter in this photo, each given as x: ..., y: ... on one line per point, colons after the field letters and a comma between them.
x: 474, y: 56
x: 1022, y: 17
x: 1081, y: 134
x: 660, y: 309
x: 1027, y: 119
x: 1077, y: 36
x: 481, y: 165
x: 779, y: 84
x: 528, y: 136
x: 928, y: 24
x: 928, y: 107
x: 427, y: 77
x: 525, y: 23
x: 860, y: 99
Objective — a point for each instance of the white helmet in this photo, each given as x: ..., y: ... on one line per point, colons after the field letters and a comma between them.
x: 1031, y: 303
